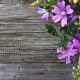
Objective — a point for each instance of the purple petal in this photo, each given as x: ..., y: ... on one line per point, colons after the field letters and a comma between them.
x: 76, y: 43
x: 56, y: 10
x: 64, y: 21
x: 70, y: 45
x: 72, y: 52
x: 78, y: 36
x: 68, y: 60
x: 73, y: 5
x: 56, y: 18
x: 41, y: 10
x: 61, y: 56
x: 51, y: 14
x: 69, y: 10
x: 74, y: 18
x: 71, y: 38
x: 79, y: 60
x: 60, y: 50
x: 61, y: 4
x: 45, y: 16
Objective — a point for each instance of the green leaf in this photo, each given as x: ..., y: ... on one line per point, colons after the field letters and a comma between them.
x: 64, y: 41
x: 69, y: 30
x: 53, y: 2
x: 66, y: 38
x: 51, y: 30
x: 77, y: 57
x: 41, y: 5
x: 47, y: 6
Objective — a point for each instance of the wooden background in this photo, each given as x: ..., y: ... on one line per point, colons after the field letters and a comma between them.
x: 27, y: 51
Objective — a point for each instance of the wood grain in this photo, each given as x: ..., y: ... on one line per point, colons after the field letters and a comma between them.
x: 35, y: 71
x: 27, y: 51
x: 23, y: 33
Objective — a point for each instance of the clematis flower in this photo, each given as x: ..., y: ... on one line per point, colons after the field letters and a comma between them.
x: 61, y: 11
x: 67, y: 53
x: 76, y: 42
x: 44, y: 12
x: 77, y: 45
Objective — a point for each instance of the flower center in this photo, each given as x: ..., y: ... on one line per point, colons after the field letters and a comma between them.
x: 63, y: 13
x: 68, y: 54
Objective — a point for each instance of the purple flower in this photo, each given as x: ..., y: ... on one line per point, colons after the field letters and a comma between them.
x: 73, y: 5
x: 74, y: 17
x: 78, y: 36
x: 44, y: 12
x: 76, y: 42
x: 67, y: 53
x: 61, y: 12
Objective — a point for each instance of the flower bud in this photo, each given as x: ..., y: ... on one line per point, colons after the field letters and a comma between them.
x: 74, y: 1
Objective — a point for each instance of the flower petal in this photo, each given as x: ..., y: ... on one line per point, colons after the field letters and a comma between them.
x: 64, y: 21
x: 61, y: 4
x: 45, y: 16
x: 68, y: 60
x: 41, y: 10
x: 70, y: 45
x: 56, y: 18
x: 72, y: 52
x: 56, y: 10
x: 60, y: 50
x: 69, y: 10
x: 76, y: 43
x: 78, y: 36
x: 74, y: 18
x: 61, y: 56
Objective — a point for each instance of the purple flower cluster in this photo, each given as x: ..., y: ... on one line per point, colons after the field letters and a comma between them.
x: 61, y: 13
x: 72, y: 49
x: 68, y: 14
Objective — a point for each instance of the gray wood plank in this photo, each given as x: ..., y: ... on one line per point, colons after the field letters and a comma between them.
x: 17, y: 50
x: 23, y: 37
x: 44, y: 42
x: 23, y: 12
x: 15, y: 1
x: 35, y: 71
x: 29, y: 58
x: 22, y: 27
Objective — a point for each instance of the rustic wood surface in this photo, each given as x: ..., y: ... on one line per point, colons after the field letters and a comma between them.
x: 27, y: 51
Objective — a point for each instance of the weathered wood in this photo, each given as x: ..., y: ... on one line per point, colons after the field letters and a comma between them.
x: 15, y: 1
x: 22, y: 33
x: 22, y: 27
x: 32, y: 71
x: 29, y: 58
x: 27, y: 51
x: 28, y: 42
